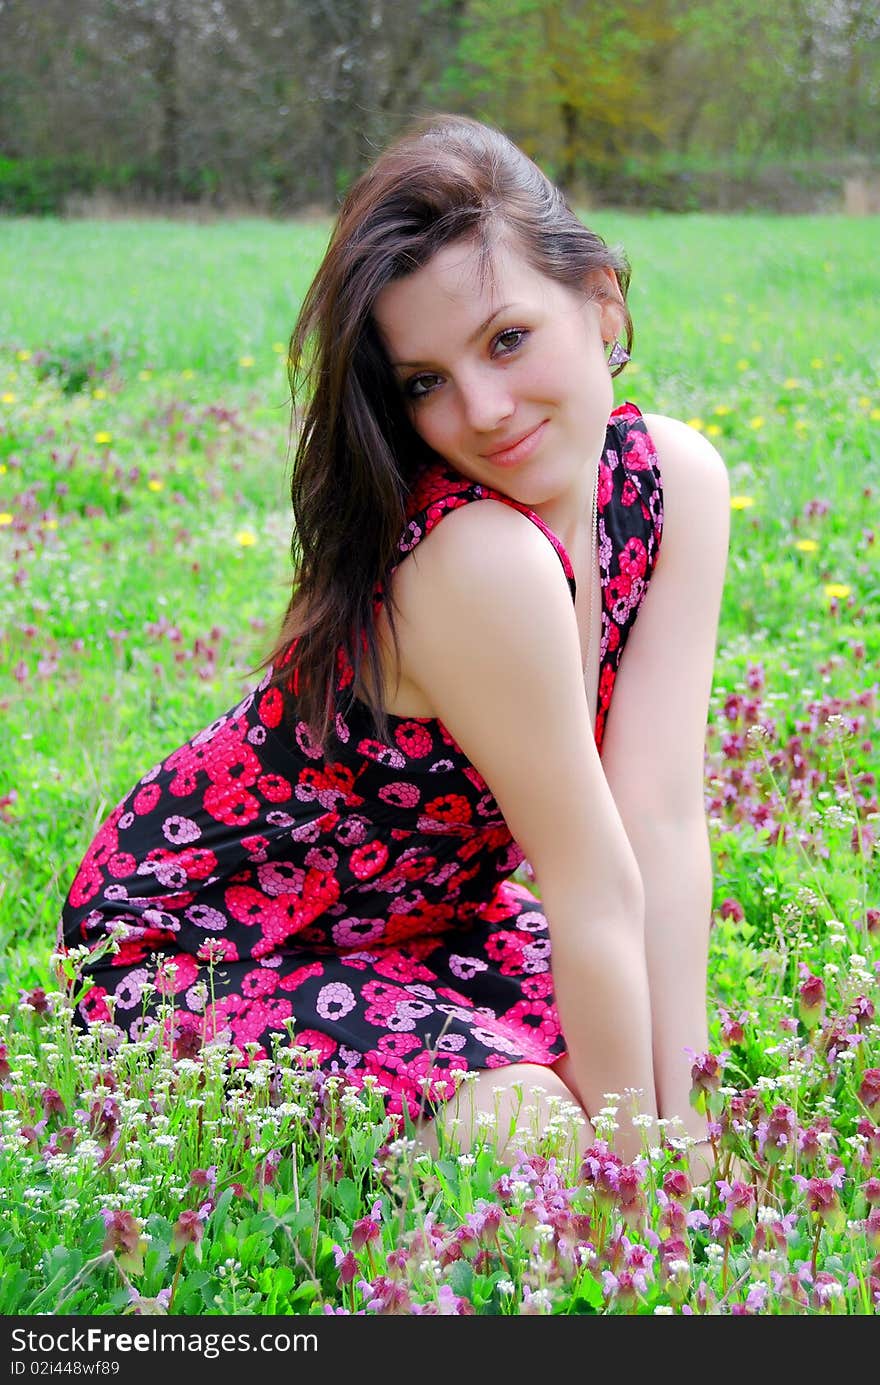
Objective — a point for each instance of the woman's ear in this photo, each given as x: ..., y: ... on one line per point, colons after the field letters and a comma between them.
x: 605, y: 291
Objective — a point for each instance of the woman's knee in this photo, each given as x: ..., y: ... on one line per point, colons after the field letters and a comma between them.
x: 495, y: 1104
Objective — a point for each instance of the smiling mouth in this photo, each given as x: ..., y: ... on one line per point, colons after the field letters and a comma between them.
x: 516, y: 450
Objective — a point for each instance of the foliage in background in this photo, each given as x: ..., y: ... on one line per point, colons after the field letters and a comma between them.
x: 279, y: 104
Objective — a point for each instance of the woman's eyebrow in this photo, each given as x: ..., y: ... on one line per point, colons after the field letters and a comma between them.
x: 400, y: 365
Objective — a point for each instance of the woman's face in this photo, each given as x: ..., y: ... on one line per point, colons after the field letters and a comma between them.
x: 482, y: 368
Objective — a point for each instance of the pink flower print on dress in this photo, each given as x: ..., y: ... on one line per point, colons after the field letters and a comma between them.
x: 352, y: 830
x: 634, y: 558
x: 259, y: 982
x: 533, y: 1021
x: 368, y: 860
x: 271, y: 708
x: 499, y: 1042
x: 314, y: 1039
x: 121, y: 865
x: 209, y: 733
x: 164, y: 865
x: 411, y: 536
x: 465, y: 968
x: 353, y: 932
x: 401, y: 795
x: 176, y: 972
x: 180, y: 831
x: 146, y: 799
x: 398, y: 1045
x: 231, y: 804
x: 396, y: 965
x: 214, y: 950
x: 305, y: 741
x: 335, y: 1000
x: 538, y: 987
x: 129, y: 991
x: 606, y: 485
x: 414, y: 740
x: 383, y: 754
x: 297, y: 978
x: 274, y: 787
x: 638, y: 452
x: 630, y: 493
x: 203, y: 916
x: 280, y: 877
x: 322, y: 858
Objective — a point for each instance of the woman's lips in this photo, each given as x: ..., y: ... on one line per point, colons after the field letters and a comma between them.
x: 518, y: 451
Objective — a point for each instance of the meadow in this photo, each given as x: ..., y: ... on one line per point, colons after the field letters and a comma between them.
x: 144, y: 541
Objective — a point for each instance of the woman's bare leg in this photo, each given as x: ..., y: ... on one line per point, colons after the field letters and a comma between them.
x: 507, y: 1106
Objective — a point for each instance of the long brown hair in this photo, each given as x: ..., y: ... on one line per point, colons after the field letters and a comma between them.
x: 357, y: 455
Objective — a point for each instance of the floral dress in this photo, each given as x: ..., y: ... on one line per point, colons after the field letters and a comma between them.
x: 359, y: 903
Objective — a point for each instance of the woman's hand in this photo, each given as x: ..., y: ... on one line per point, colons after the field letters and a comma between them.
x: 704, y: 1169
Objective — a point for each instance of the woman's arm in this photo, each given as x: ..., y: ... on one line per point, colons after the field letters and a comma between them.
x: 653, y: 753
x: 492, y: 642
x: 676, y: 872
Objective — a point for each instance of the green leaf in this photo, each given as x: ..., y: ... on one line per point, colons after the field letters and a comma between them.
x: 347, y: 1194
x: 461, y: 1278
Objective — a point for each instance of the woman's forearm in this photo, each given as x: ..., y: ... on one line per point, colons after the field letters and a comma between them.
x: 676, y: 868
x: 602, y: 994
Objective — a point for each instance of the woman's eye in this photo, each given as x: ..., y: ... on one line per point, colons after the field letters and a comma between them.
x: 412, y: 392
x: 517, y: 333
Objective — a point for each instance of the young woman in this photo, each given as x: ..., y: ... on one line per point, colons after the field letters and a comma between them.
x: 498, y: 651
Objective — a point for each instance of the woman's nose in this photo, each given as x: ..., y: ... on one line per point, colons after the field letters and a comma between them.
x: 487, y: 401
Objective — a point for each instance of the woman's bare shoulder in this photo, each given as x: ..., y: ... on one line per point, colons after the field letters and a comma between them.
x: 482, y: 542
x: 685, y: 455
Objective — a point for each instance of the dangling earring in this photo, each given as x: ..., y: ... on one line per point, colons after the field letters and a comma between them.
x: 619, y: 355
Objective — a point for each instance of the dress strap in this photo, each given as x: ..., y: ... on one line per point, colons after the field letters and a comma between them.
x: 442, y: 489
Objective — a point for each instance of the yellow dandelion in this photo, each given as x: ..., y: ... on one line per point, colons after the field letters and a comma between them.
x: 722, y: 409
x: 187, y: 374
x: 837, y: 590
x: 102, y: 439
x: 817, y: 362
x: 2, y: 468
x: 743, y: 364
x: 279, y: 347
x: 8, y: 398
x: 713, y: 430
x: 5, y: 518
x: 99, y: 393
x: 874, y: 415
x: 864, y: 402
x: 742, y: 502
x: 22, y: 355
x: 695, y: 423
x: 726, y: 338
x: 246, y: 361
x: 245, y: 538
x: 791, y: 383
x: 145, y: 375
x: 756, y: 422
x: 806, y: 545
x: 50, y: 524
x: 154, y: 485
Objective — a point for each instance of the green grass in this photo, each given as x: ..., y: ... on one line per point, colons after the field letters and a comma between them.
x: 144, y: 531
